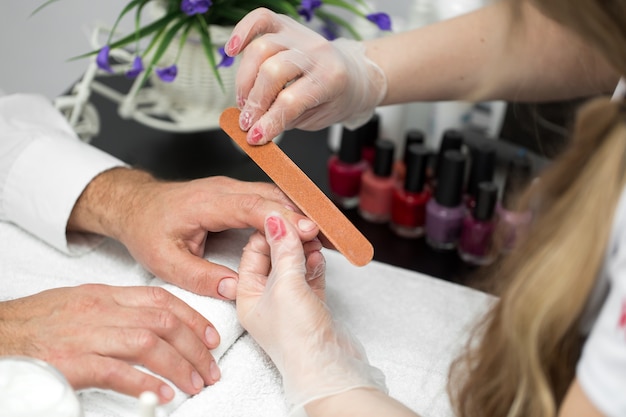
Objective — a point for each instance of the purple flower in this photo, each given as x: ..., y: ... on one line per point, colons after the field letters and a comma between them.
x: 330, y: 30
x: 226, y: 61
x: 167, y: 74
x: 191, y: 7
x: 307, y: 8
x: 382, y: 20
x: 102, y: 60
x: 136, y: 69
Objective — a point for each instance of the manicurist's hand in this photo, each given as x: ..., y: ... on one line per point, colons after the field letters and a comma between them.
x: 280, y: 302
x: 291, y: 77
x: 94, y: 334
x: 165, y: 225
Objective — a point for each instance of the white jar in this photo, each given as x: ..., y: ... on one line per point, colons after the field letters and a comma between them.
x: 33, y: 388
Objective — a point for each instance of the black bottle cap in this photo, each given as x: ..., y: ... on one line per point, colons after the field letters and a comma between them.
x: 519, y: 174
x: 412, y: 137
x: 350, y: 147
x: 383, y: 159
x: 417, y: 160
x: 370, y: 131
x: 482, y: 166
x: 452, y: 139
x: 486, y: 198
x: 450, y: 180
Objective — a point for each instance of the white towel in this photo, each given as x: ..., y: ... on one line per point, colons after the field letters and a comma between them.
x: 411, y: 325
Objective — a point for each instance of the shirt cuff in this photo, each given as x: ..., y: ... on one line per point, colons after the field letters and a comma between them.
x: 44, y: 184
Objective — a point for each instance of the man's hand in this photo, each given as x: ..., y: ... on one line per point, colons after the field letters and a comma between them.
x: 94, y: 334
x: 164, y: 225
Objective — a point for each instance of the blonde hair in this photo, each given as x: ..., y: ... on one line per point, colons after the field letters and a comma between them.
x: 521, y: 359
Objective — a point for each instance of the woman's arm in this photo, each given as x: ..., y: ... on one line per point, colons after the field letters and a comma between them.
x: 492, y: 53
x: 361, y: 402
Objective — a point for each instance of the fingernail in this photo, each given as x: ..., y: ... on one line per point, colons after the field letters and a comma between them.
x: 196, y: 380
x: 257, y: 135
x: 275, y: 227
x: 290, y: 207
x: 166, y: 392
x: 214, y: 370
x: 232, y: 45
x: 245, y: 120
x: 227, y: 288
x: 306, y: 225
x: 211, y: 335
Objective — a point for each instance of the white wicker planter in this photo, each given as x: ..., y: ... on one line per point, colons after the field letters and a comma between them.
x: 192, y: 102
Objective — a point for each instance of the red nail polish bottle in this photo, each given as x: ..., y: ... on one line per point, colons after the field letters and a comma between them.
x: 345, y: 170
x: 412, y: 137
x: 377, y: 185
x: 369, y: 133
x: 408, y: 204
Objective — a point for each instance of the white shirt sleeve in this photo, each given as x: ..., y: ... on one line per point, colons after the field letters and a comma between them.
x: 601, y: 369
x: 44, y: 168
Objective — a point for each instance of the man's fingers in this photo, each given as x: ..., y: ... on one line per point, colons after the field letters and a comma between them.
x: 113, y: 374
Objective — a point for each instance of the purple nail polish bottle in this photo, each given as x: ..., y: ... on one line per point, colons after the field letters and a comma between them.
x: 475, y: 245
x: 445, y: 212
x: 452, y: 139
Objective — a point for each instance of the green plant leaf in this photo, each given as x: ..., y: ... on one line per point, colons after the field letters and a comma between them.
x: 164, y: 43
x: 209, y: 49
x: 126, y: 9
x: 38, y: 9
x: 143, y: 32
x: 339, y: 21
x: 345, y: 5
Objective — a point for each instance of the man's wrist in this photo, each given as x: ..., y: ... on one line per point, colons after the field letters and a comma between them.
x: 108, y: 201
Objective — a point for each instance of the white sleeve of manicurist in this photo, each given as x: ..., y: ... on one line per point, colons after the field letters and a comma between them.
x: 44, y: 168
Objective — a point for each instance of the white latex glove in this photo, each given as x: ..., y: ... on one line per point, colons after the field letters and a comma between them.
x: 291, y: 77
x: 280, y: 302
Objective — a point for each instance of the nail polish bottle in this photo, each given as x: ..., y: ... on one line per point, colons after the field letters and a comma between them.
x: 377, y: 185
x: 452, y: 140
x: 512, y: 222
x: 408, y: 204
x: 475, y: 244
x: 482, y: 168
x: 445, y: 212
x: 345, y: 170
x: 369, y: 133
x: 412, y: 137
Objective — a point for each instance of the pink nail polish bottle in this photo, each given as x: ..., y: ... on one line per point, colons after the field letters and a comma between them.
x: 512, y: 222
x: 345, y: 170
x: 377, y: 185
x: 482, y: 169
x: 475, y: 244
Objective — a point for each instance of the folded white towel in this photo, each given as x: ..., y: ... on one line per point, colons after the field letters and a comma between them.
x: 411, y: 325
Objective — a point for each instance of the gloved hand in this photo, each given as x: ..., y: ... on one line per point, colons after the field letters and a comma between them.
x: 280, y: 302
x: 292, y: 77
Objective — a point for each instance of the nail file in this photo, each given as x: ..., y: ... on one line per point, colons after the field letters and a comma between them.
x: 335, y: 226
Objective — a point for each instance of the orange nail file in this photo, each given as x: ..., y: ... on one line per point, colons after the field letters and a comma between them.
x: 339, y: 231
